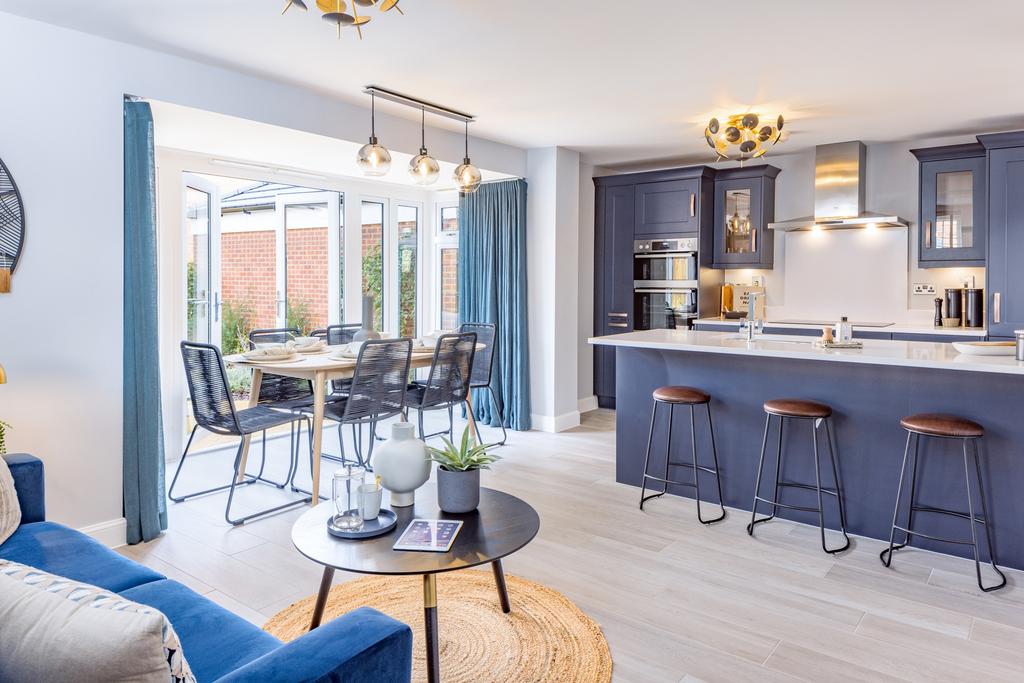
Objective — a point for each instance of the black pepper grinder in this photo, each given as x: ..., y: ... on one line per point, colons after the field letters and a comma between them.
x: 938, y: 312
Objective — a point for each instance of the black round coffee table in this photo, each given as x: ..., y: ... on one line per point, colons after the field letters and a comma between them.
x: 501, y: 525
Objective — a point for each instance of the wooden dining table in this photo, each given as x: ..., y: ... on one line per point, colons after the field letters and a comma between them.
x: 319, y: 368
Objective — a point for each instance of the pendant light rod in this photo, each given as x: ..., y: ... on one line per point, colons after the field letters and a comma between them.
x: 423, y: 131
x: 373, y: 116
x: 416, y: 103
x: 467, y: 141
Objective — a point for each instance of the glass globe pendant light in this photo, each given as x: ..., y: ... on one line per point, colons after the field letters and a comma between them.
x: 467, y: 176
x: 373, y: 159
x: 424, y: 168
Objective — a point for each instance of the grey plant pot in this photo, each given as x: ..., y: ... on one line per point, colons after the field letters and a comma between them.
x: 458, y: 491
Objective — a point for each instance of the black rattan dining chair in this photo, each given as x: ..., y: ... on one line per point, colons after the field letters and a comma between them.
x: 377, y: 392
x: 447, y: 384
x: 214, y: 410
x: 483, y: 369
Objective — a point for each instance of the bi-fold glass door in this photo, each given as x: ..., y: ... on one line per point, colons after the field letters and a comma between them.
x: 309, y: 260
x: 201, y: 201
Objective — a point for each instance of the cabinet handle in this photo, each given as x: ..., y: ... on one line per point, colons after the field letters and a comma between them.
x: 996, y: 307
x: 693, y: 204
x: 753, y: 239
x: 618, y: 315
x: 928, y: 234
x: 617, y: 325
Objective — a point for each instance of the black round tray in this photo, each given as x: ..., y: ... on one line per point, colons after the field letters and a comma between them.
x: 385, y: 522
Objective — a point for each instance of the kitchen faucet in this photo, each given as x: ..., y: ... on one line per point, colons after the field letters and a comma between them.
x: 753, y: 324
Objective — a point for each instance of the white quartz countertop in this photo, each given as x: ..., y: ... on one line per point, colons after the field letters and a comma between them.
x: 898, y: 328
x: 917, y: 354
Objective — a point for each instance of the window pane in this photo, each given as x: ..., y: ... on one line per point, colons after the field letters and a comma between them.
x: 248, y: 262
x: 341, y: 258
x: 373, y: 257
x: 954, y: 210
x: 306, y: 266
x: 408, y: 228
x: 197, y: 218
x: 449, y: 288
x: 450, y: 220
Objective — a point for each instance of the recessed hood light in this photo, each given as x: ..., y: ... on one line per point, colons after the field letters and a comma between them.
x: 839, y: 172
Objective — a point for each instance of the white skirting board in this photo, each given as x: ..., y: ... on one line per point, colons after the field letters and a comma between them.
x: 112, y: 533
x: 587, y: 404
x: 555, y: 423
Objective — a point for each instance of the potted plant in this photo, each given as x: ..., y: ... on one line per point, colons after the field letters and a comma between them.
x: 458, y: 473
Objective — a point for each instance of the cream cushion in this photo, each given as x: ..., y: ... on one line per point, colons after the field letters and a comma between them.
x: 55, y: 629
x: 10, y: 509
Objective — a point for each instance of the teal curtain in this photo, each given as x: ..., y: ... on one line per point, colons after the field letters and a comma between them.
x: 145, y: 505
x: 492, y: 289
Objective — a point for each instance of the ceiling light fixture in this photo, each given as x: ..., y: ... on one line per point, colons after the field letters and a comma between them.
x: 467, y: 176
x: 373, y: 159
x: 424, y: 168
x: 336, y: 11
x: 744, y: 132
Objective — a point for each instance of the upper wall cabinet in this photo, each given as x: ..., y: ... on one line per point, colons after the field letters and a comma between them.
x: 952, y: 218
x: 1005, y: 277
x: 667, y: 207
x: 744, y: 206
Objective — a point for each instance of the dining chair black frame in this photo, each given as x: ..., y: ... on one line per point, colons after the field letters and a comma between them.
x: 483, y: 371
x: 213, y: 408
x: 447, y: 384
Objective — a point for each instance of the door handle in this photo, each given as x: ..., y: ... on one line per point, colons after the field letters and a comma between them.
x: 928, y: 234
x: 280, y: 302
x: 618, y: 325
x: 216, y: 307
x: 693, y: 204
x: 997, y: 307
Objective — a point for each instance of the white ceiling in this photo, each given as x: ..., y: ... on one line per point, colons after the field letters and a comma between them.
x: 621, y: 81
x: 230, y: 139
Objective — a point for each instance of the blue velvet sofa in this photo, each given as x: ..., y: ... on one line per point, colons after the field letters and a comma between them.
x: 363, y: 645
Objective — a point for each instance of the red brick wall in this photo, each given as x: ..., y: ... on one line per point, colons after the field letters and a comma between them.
x: 449, y: 288
x: 307, y: 272
x: 248, y: 274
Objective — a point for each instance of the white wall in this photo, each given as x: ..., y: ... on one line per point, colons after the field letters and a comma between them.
x: 553, y: 250
x: 61, y: 136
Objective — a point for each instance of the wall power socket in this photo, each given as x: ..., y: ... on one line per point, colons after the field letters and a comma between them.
x: 923, y: 288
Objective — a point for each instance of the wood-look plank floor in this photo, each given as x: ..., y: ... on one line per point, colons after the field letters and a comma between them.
x: 677, y: 601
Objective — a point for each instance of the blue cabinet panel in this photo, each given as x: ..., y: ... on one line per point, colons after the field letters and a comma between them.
x: 1005, y: 279
x: 669, y: 206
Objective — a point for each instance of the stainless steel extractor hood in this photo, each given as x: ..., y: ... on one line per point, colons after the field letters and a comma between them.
x: 839, y: 193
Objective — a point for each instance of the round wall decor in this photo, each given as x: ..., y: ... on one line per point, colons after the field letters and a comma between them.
x: 12, y: 226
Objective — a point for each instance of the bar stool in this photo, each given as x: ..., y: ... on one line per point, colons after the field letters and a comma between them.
x: 818, y: 414
x: 672, y: 397
x: 933, y: 425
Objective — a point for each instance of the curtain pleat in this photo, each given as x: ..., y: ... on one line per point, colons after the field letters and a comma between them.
x: 492, y: 289
x: 145, y: 505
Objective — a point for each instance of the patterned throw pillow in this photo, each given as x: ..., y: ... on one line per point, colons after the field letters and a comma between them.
x: 10, y: 509
x: 52, y: 628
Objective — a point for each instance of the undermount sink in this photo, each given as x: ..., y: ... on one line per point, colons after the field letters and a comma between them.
x: 783, y: 338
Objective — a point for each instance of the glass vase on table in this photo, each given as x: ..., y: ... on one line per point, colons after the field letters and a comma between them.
x: 345, y: 493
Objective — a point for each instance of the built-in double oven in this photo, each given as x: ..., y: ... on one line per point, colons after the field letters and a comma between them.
x: 664, y: 283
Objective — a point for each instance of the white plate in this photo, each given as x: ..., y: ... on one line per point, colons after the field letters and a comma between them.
x: 312, y: 348
x: 985, y: 348
x: 343, y: 355
x: 261, y: 361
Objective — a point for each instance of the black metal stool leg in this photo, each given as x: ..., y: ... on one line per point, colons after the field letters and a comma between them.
x: 975, y: 521
x: 886, y: 555
x: 697, y: 468
x: 714, y: 458
x: 837, y: 479
x: 821, y: 506
x: 647, y: 458
x: 668, y: 447
x: 760, y: 471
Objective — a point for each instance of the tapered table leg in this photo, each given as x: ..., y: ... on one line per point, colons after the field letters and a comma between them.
x: 499, y: 580
x: 430, y: 621
x: 321, y: 597
x: 254, y: 400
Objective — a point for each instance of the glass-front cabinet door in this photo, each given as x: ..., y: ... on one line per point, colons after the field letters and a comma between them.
x: 953, y: 219
x: 744, y: 205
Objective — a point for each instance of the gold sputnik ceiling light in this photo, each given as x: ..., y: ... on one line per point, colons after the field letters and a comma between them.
x: 743, y: 136
x: 336, y: 11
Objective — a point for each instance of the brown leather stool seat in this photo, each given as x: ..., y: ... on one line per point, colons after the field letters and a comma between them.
x: 937, y: 424
x: 794, y: 407
x: 683, y: 395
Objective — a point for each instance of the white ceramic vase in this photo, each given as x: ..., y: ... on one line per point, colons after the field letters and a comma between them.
x: 402, y: 463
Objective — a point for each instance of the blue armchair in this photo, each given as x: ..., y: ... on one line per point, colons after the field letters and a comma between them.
x: 363, y: 645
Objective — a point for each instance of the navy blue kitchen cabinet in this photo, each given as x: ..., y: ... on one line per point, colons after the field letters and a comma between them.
x: 744, y: 206
x: 668, y: 207
x: 1005, y: 275
x: 953, y: 206
x: 613, y: 296
x: 938, y: 338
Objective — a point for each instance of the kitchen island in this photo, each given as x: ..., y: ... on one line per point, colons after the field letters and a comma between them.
x: 869, y: 389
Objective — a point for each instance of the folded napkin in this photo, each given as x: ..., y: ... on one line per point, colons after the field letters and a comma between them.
x: 270, y: 352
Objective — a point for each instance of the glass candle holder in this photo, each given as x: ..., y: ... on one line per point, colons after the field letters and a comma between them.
x: 345, y: 492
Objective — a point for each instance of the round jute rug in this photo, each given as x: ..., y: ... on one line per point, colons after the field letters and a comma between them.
x: 545, y: 638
